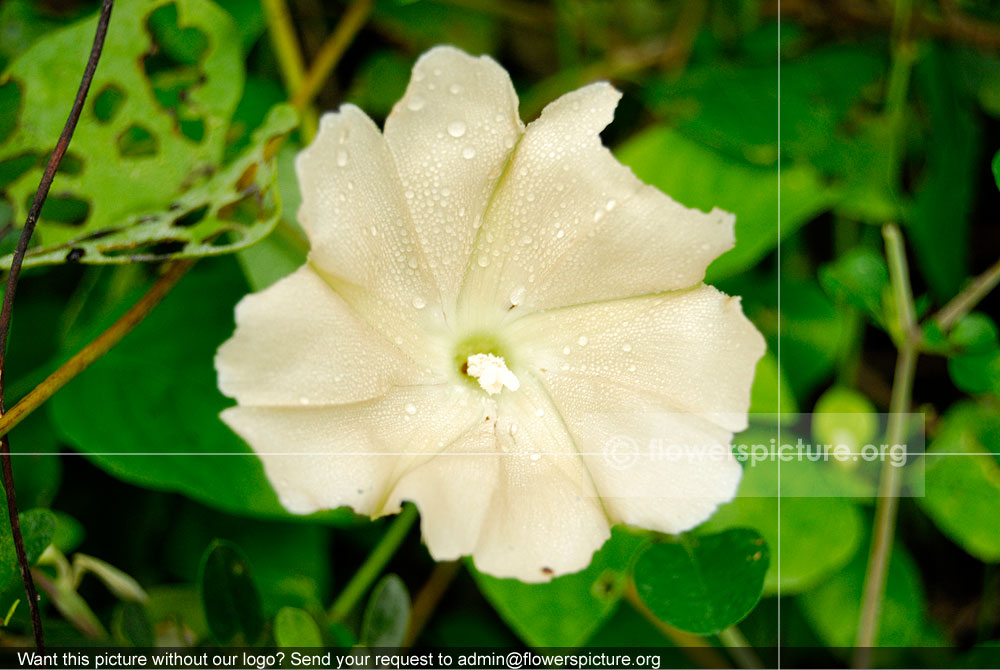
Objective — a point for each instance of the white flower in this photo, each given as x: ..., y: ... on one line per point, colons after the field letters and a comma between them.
x: 486, y: 307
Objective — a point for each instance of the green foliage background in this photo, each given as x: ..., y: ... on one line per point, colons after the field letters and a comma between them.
x: 174, y: 157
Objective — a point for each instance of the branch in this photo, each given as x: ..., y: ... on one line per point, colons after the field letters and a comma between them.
x: 96, y: 348
x: 8, y: 304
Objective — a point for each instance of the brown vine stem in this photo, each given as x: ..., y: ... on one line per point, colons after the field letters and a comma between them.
x: 8, y: 304
x: 96, y: 348
x: 428, y: 598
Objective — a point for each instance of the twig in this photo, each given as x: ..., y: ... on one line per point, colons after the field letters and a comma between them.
x: 373, y: 565
x: 96, y: 348
x: 890, y: 480
x: 428, y: 597
x: 329, y: 54
x: 288, y: 52
x: 8, y: 303
x: 739, y: 648
x: 965, y: 302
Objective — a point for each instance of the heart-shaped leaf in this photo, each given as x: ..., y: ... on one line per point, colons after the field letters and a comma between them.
x: 703, y: 584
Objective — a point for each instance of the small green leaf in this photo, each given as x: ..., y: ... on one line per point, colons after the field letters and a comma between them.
x: 387, y: 615
x: 123, y: 586
x: 229, y: 596
x: 843, y: 416
x: 859, y: 278
x: 294, y: 627
x: 537, y: 612
x: 37, y: 528
x: 130, y: 626
x: 819, y: 535
x: 706, y: 584
x: 962, y: 480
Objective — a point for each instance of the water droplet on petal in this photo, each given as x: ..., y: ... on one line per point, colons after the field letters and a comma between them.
x: 566, y: 351
x: 627, y: 348
x: 416, y: 103
x: 419, y: 302
x: 484, y: 260
x: 342, y: 157
x: 455, y: 89
x: 517, y: 295
x: 535, y: 457
x: 468, y: 152
x: 611, y: 205
x: 456, y: 128
x: 539, y: 412
x: 411, y: 409
x: 303, y: 400
x: 582, y: 341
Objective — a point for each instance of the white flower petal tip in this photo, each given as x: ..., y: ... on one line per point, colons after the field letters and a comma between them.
x: 492, y: 319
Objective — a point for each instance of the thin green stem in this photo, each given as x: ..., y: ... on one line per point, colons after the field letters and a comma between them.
x: 890, y: 481
x: 739, y: 648
x: 329, y: 54
x: 966, y: 301
x: 289, y: 54
x: 373, y: 565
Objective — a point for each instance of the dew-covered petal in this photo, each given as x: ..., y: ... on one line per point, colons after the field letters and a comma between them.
x: 326, y: 457
x: 515, y: 494
x: 298, y: 343
x: 689, y: 351
x: 566, y: 209
x: 665, y: 471
x: 363, y: 241
x: 451, y: 135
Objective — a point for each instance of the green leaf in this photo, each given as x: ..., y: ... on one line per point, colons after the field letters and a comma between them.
x: 229, y: 596
x: 962, y: 480
x: 813, y: 108
x: 37, y: 528
x: 833, y: 606
x: 387, y: 615
x: 938, y: 224
x: 995, y: 166
x: 771, y: 393
x: 155, y: 395
x: 144, y: 177
x: 705, y: 584
x: 537, y: 612
x: 426, y: 24
x: 843, y: 416
x: 697, y: 176
x: 860, y: 279
x: 819, y: 535
x: 131, y: 627
x: 294, y: 627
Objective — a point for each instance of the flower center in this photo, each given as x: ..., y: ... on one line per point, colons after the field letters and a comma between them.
x: 491, y: 372
x: 481, y: 359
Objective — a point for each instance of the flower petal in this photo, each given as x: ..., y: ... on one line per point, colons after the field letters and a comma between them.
x: 451, y: 135
x: 688, y: 351
x: 525, y: 507
x: 298, y: 343
x: 325, y: 457
x: 659, y: 470
x: 363, y: 241
x: 567, y: 208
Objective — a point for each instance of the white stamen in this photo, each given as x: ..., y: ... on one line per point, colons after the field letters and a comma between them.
x: 491, y: 372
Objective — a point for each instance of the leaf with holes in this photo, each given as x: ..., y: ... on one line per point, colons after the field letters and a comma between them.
x: 144, y: 177
x: 703, y: 584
